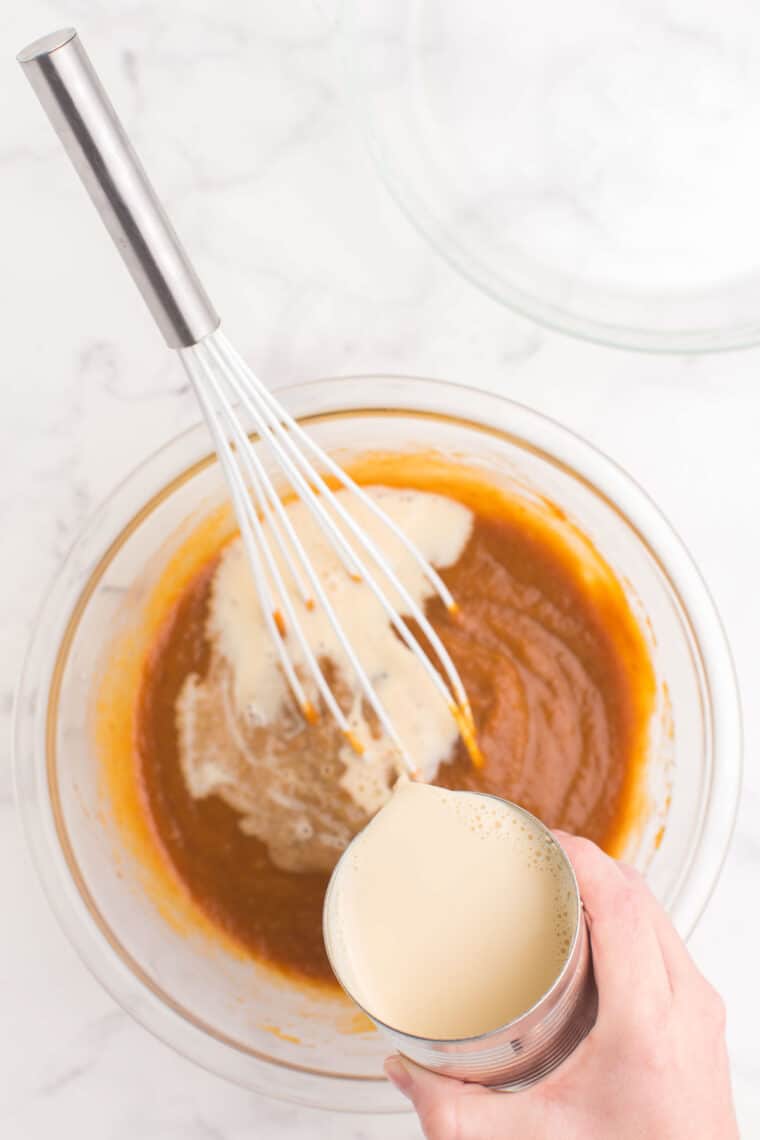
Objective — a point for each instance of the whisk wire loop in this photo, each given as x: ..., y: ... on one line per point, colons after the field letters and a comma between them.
x: 278, y: 427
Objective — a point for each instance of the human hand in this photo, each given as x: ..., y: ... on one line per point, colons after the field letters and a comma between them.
x: 654, y: 1067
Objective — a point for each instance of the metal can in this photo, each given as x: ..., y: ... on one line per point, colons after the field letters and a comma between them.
x: 528, y: 1048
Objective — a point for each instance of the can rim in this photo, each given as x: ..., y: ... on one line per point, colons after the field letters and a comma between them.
x: 558, y: 983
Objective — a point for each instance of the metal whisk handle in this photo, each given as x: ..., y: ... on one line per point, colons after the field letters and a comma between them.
x: 77, y: 105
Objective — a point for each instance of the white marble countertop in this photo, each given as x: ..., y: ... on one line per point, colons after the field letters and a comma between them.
x: 237, y: 112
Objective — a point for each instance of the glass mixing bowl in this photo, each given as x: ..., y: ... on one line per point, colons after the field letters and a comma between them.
x: 228, y: 1014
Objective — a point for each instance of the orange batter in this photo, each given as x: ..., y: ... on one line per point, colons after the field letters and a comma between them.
x: 557, y: 672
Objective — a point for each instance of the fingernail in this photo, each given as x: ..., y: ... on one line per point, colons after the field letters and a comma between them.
x: 397, y: 1072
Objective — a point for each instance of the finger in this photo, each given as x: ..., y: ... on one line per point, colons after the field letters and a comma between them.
x: 679, y: 964
x: 630, y: 971
x: 447, y: 1108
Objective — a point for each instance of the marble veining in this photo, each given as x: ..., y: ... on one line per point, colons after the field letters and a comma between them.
x: 238, y: 113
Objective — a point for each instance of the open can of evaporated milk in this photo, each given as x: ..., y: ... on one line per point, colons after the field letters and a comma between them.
x: 526, y: 1049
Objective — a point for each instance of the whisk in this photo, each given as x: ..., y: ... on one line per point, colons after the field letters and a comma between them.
x: 77, y: 105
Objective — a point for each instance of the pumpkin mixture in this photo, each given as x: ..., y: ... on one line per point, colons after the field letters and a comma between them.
x: 252, y: 804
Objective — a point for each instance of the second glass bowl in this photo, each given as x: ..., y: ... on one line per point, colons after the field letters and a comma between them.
x: 593, y: 166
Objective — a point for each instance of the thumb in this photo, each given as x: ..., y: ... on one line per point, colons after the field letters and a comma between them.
x: 443, y: 1104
